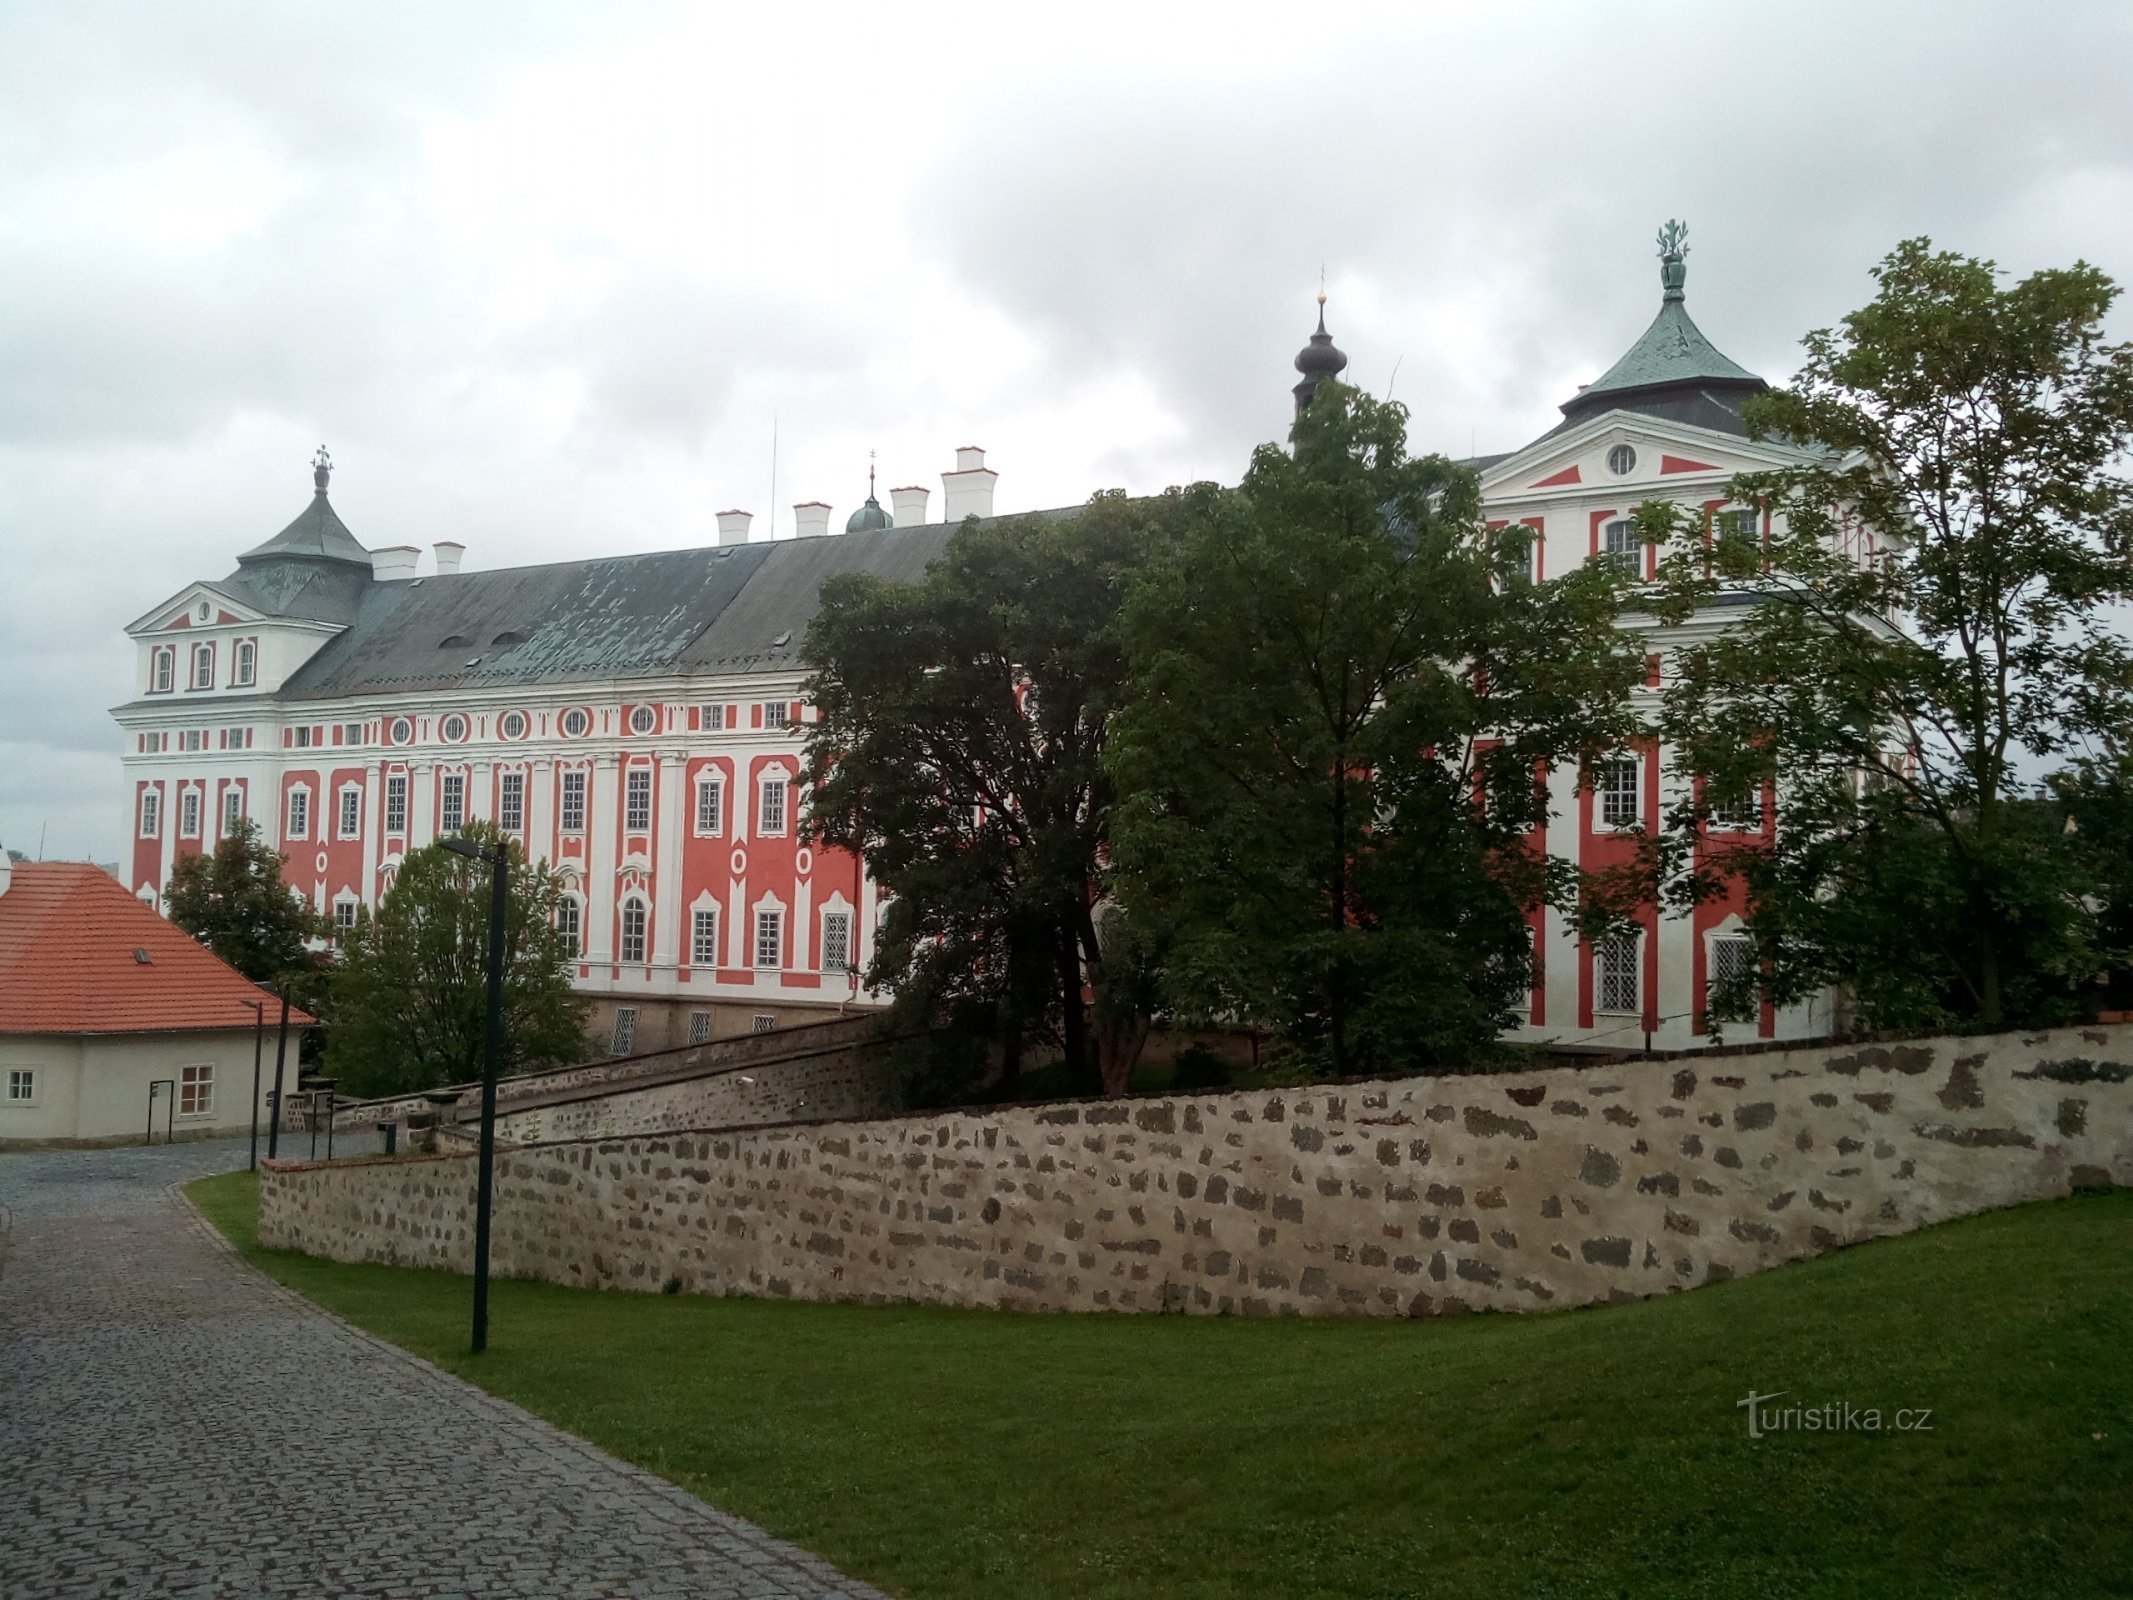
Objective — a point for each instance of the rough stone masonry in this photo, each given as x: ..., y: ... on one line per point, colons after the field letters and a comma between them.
x: 1516, y: 1192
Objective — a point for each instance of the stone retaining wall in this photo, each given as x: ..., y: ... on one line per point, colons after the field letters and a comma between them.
x: 1422, y: 1195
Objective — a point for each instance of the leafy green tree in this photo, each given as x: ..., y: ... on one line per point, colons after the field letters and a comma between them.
x: 1342, y: 702
x: 959, y: 749
x: 1932, y: 615
x: 233, y: 901
x: 411, y: 988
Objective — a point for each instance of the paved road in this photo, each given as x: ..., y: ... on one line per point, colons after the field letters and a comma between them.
x: 152, y: 1438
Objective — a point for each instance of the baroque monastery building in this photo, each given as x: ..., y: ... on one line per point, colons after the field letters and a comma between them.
x: 638, y: 721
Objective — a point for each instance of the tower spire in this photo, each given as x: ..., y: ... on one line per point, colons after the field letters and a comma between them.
x: 1320, y: 359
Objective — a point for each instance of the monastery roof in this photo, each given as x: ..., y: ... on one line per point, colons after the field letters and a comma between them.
x: 70, y: 943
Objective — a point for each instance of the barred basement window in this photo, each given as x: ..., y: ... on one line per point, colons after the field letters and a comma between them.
x: 769, y: 938
x: 703, y: 938
x: 1618, y: 792
x: 1732, y: 960
x: 763, y: 1023
x: 699, y: 1027
x: 511, y: 801
x: 772, y: 820
x: 633, y: 931
x: 625, y: 1039
x: 710, y: 807
x: 1615, y: 970
x: 637, y: 800
x: 396, y: 803
x: 196, y: 1091
x: 566, y: 926
x: 451, y: 802
x: 573, y: 819
x: 836, y: 941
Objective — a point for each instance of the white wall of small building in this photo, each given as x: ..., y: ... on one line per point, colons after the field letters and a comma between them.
x: 96, y: 1086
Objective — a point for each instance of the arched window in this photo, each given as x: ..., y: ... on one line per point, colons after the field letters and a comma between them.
x: 1621, y: 548
x: 633, y: 931
x: 247, y: 663
x: 203, y: 666
x: 160, y: 673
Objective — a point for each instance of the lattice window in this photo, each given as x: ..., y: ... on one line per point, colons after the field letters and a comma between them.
x: 836, y: 941
x: 633, y: 930
x: 625, y: 1038
x: 710, y: 807
x: 1618, y: 792
x: 196, y: 1091
x: 396, y: 803
x: 703, y: 937
x: 772, y: 809
x: 151, y: 813
x: 351, y: 813
x: 1620, y: 547
x: 1732, y: 963
x: 699, y: 1027
x: 573, y: 808
x: 452, y: 802
x: 1615, y: 971
x: 511, y: 801
x: 637, y: 800
x: 769, y: 938
x: 567, y: 924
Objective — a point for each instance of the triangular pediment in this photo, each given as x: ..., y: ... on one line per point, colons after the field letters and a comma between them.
x: 1628, y: 450
x: 197, y: 605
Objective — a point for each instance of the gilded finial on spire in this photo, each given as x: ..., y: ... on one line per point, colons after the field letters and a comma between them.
x: 321, y: 468
x: 1673, y: 258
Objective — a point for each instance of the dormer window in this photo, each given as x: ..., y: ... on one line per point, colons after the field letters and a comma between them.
x: 246, y: 665
x: 162, y: 665
x: 203, y: 666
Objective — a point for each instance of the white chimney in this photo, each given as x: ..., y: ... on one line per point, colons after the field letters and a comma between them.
x: 811, y: 519
x: 450, y: 552
x: 395, y: 561
x: 910, y: 506
x: 968, y: 489
x: 733, y: 526
x: 7, y: 869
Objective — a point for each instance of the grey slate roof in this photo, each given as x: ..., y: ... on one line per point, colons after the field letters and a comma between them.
x: 317, y: 532
x: 1672, y: 350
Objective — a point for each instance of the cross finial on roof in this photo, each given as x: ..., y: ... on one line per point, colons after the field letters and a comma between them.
x: 321, y: 468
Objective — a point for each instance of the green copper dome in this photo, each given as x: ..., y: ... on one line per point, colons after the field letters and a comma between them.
x: 867, y: 518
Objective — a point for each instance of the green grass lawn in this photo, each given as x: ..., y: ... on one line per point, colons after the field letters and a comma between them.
x: 1602, y: 1452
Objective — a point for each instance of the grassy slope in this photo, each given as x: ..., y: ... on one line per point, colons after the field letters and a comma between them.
x: 955, y: 1453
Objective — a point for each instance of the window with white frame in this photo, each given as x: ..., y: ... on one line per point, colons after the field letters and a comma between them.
x: 300, y: 738
x: 245, y: 666
x: 1512, y: 551
x: 511, y: 801
x: 396, y: 803
x: 710, y: 807
x: 1618, y: 792
x: 770, y: 818
x: 777, y: 713
x: 344, y: 916
x: 236, y: 738
x: 513, y: 725
x: 711, y: 719
x: 1731, y: 965
x: 572, y: 810
x: 188, y: 813
x: 1738, y: 529
x: 21, y: 1085
x: 1620, y: 548
x: 703, y: 937
x: 699, y: 1027
x: 162, y: 664
x: 1741, y: 813
x: 451, y: 802
x: 151, y: 813
x: 352, y: 733
x: 232, y: 810
x: 576, y: 724
x: 299, y: 813
x: 453, y: 729
x: 351, y: 819
x: 643, y: 719
x: 769, y: 937
x: 764, y: 1023
x: 625, y: 1037
x: 836, y: 941
x: 567, y: 924
x: 1614, y: 965
x: 637, y: 800
x: 203, y: 666
x: 190, y: 739
x: 196, y: 1091
x: 633, y: 930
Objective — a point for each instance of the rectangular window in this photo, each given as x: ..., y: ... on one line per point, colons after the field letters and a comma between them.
x: 190, y: 739
x: 573, y: 820
x: 1618, y: 792
x: 769, y: 938
x: 772, y: 818
x: 637, y: 800
x: 299, y: 813
x: 1732, y: 960
x: 703, y: 938
x: 633, y: 931
x: 352, y: 733
x: 711, y: 719
x: 196, y: 1091
x: 836, y: 941
x: 237, y: 739
x: 159, y: 682
x: 699, y: 1027
x: 1738, y: 528
x: 777, y: 713
x: 189, y: 813
x: 396, y: 803
x: 1743, y: 814
x: 511, y: 801
x: 351, y: 813
x: 232, y: 810
x: 451, y: 802
x: 203, y: 666
x: 1621, y: 549
x: 151, y: 813
x: 21, y: 1084
x: 566, y: 926
x: 344, y: 914
x: 625, y: 1039
x: 1514, y: 551
x: 763, y: 1023
x: 1615, y: 973
x: 710, y: 807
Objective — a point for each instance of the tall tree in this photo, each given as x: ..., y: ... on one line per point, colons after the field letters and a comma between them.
x: 1932, y: 615
x: 233, y: 901
x: 411, y: 988
x: 962, y: 725
x: 1342, y: 704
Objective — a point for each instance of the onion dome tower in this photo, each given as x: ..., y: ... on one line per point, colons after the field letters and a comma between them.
x: 1317, y: 361
x: 869, y: 518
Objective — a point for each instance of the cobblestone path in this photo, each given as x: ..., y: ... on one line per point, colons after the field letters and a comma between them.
x: 171, y: 1423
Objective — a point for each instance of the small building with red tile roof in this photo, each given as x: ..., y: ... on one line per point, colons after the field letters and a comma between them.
x: 107, y: 1009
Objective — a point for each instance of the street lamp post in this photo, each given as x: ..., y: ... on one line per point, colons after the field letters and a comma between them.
x: 259, y: 1040
x: 499, y: 861
x: 281, y: 1055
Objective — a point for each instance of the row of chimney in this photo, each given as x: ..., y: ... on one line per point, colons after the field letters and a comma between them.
x: 399, y: 560
x: 965, y: 492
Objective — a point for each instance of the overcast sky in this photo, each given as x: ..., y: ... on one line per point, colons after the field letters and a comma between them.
x: 542, y: 277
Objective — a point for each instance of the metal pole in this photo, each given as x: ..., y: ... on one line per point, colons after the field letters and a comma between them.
x: 499, y: 888
x: 259, y: 1043
x: 281, y: 1052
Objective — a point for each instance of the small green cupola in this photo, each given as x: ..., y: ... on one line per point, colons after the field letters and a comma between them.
x: 869, y: 518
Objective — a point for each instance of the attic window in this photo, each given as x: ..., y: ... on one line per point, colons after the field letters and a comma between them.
x: 782, y: 640
x: 141, y: 956
x: 508, y: 636
x: 454, y: 641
